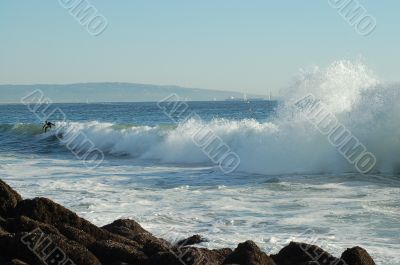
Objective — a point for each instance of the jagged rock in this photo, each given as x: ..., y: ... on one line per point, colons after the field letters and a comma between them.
x: 12, y: 247
x: 49, y: 212
x: 109, y: 251
x: 357, y: 256
x: 193, y: 240
x: 26, y: 224
x: 19, y: 245
x: 9, y: 198
x: 248, y: 253
x: 190, y: 256
x: 126, y: 227
x: 298, y: 253
x: 133, y: 231
x: 77, y: 235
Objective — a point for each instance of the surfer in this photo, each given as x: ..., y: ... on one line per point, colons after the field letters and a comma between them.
x: 47, y: 125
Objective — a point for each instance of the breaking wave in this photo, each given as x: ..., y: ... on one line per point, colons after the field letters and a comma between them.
x: 288, y: 144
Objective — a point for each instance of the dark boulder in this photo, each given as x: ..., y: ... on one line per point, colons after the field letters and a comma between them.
x: 298, y: 253
x: 190, y: 256
x: 193, y: 240
x: 126, y: 227
x: 357, y: 256
x: 26, y: 224
x: 109, y: 251
x: 77, y: 235
x: 12, y: 247
x: 131, y: 230
x: 48, y: 212
x: 31, y: 246
x: 248, y: 253
x: 9, y: 198
x: 75, y: 251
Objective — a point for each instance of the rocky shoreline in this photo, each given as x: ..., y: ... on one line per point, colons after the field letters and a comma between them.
x: 40, y: 231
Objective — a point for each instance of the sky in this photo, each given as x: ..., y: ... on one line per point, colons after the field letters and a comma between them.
x: 248, y: 46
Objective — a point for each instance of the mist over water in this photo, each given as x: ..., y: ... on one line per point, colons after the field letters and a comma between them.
x: 290, y: 177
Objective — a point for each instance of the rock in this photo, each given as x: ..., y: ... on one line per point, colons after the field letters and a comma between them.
x: 26, y: 224
x: 19, y: 245
x: 195, y: 239
x: 190, y: 256
x: 74, y: 251
x: 357, y: 256
x: 164, y: 258
x: 248, y: 253
x: 131, y: 230
x: 77, y: 235
x: 298, y: 253
x: 8, y: 199
x: 126, y: 227
x: 49, y: 212
x: 109, y: 251
x: 12, y: 247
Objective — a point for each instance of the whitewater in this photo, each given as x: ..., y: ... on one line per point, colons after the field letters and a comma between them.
x: 290, y: 179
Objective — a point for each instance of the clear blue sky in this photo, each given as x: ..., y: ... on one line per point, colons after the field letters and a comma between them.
x: 241, y: 45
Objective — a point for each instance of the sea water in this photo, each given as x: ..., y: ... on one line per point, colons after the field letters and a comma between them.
x: 291, y: 183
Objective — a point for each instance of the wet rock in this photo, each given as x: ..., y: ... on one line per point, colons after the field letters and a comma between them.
x: 49, y: 212
x: 9, y: 198
x: 109, y: 251
x: 26, y: 224
x: 12, y: 247
x: 248, y: 253
x: 298, y: 253
x: 190, y: 256
x: 126, y: 227
x: 77, y: 235
x: 193, y: 240
x: 357, y: 256
x: 131, y: 230
x: 31, y: 246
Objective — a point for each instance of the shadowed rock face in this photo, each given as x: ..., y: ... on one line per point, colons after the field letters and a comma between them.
x: 357, y: 256
x: 301, y: 253
x: 39, y: 231
x: 193, y: 240
x: 8, y: 198
x: 248, y: 253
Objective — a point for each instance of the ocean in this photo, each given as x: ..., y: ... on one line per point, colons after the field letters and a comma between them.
x: 291, y: 182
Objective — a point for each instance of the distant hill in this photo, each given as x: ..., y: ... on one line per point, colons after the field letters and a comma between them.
x: 113, y: 92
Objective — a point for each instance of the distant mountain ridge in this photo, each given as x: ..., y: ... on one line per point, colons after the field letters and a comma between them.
x: 114, y: 92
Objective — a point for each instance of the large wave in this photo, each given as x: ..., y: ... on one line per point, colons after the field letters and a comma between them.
x: 288, y: 144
